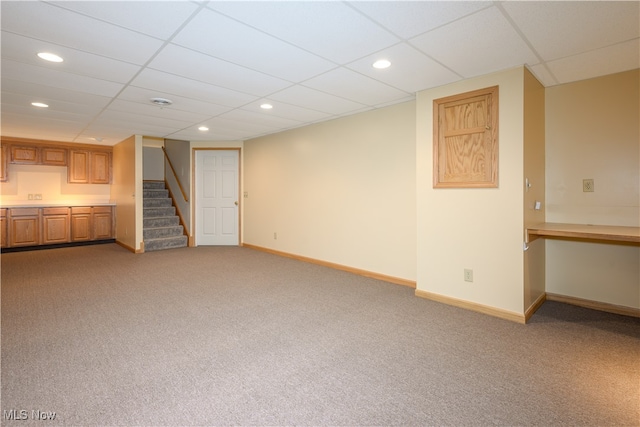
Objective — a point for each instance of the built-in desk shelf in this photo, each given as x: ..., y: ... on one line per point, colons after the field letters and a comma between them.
x: 609, y: 233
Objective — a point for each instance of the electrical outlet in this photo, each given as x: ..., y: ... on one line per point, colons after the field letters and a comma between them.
x: 38, y: 196
x: 275, y: 236
x: 587, y: 185
x: 468, y: 275
x: 30, y: 197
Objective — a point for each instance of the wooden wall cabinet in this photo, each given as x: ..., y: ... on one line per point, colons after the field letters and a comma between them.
x: 86, y: 164
x: 89, y: 167
x: 3, y: 163
x: 55, y: 226
x: 25, y: 155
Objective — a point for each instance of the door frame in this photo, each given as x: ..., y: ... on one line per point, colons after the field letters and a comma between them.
x: 194, y: 177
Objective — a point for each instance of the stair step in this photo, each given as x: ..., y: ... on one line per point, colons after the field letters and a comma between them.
x: 158, y: 232
x: 165, y: 243
x: 160, y: 221
x: 155, y: 212
x: 156, y: 203
x: 149, y: 185
x: 155, y: 193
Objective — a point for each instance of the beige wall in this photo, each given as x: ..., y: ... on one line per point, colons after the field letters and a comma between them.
x: 126, y: 191
x: 481, y: 228
x: 593, y: 131
x: 341, y: 191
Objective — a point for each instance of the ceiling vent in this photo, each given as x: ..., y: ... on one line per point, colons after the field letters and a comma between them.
x: 162, y: 102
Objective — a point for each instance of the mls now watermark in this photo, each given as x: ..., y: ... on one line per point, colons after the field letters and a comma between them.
x: 23, y: 414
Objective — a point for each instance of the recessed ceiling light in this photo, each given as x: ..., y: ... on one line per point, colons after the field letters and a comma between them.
x: 381, y: 64
x: 266, y: 106
x: 161, y: 101
x: 51, y: 57
x: 203, y: 128
x: 39, y: 104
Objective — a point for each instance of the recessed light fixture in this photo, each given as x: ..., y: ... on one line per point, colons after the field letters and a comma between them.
x: 161, y: 101
x: 381, y: 64
x: 51, y: 57
x: 39, y: 104
x: 266, y: 106
x: 203, y: 128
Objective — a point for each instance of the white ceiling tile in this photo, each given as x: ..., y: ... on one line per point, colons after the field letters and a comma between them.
x: 151, y: 110
x: 176, y: 85
x: 316, y: 100
x: 288, y: 111
x: 410, y: 18
x: 180, y: 104
x: 118, y: 115
x: 332, y: 30
x: 261, y: 118
x: 599, y: 62
x: 47, y: 22
x: 60, y: 79
x: 161, y: 18
x: 478, y: 44
x: 188, y: 63
x: 24, y: 49
x: 410, y: 70
x: 53, y: 94
x: 249, y: 47
x: 557, y: 29
x: 355, y: 87
x: 19, y: 102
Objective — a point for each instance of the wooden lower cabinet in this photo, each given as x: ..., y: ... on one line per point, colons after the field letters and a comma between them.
x: 102, y: 223
x: 3, y: 229
x: 55, y: 225
x: 81, y: 224
x: 24, y: 227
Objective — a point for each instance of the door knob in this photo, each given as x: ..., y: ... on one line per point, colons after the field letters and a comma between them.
x: 236, y: 203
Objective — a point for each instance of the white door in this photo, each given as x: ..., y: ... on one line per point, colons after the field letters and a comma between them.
x: 217, y: 220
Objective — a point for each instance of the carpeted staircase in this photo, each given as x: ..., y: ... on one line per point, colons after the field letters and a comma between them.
x: 161, y: 225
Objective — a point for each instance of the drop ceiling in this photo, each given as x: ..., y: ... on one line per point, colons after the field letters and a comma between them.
x: 219, y: 61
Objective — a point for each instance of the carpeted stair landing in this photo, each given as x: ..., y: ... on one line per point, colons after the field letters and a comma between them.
x: 161, y: 225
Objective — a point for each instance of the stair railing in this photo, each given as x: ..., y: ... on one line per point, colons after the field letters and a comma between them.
x: 166, y: 156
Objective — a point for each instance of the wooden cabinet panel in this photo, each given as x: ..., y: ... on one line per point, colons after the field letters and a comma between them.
x: 24, y: 227
x: 100, y: 167
x: 3, y: 163
x: 54, y: 156
x: 80, y: 224
x: 25, y: 154
x: 3, y: 228
x: 102, y: 223
x: 55, y: 225
x: 78, y: 172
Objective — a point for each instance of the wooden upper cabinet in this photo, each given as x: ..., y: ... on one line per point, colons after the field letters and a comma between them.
x: 78, y: 172
x: 465, y: 140
x: 3, y: 163
x: 54, y: 156
x: 100, y: 171
x: 29, y: 155
x: 89, y: 167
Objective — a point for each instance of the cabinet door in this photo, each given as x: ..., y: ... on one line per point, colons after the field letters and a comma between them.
x: 80, y: 224
x: 24, y: 227
x: 55, y: 225
x: 78, y: 171
x: 3, y: 163
x: 102, y: 223
x: 24, y: 155
x: 100, y: 167
x: 3, y: 228
x: 54, y: 156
